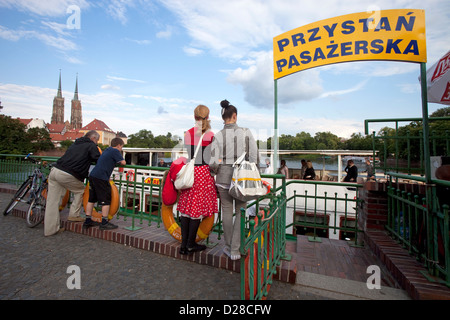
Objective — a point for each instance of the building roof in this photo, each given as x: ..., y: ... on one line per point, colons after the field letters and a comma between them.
x: 73, y: 135
x: 25, y: 121
x: 97, y: 125
x: 56, y: 128
x: 69, y: 135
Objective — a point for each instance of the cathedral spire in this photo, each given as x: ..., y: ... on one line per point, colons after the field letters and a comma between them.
x: 75, y: 96
x: 59, y: 95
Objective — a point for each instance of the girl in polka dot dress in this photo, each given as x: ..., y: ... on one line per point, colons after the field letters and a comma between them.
x: 200, y: 201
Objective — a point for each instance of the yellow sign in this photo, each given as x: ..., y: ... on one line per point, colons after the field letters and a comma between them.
x: 378, y: 35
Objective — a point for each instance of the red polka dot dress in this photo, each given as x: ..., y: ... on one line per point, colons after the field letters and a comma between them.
x: 200, y: 201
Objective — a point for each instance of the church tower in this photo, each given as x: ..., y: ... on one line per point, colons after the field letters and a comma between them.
x: 58, y: 106
x: 75, y: 116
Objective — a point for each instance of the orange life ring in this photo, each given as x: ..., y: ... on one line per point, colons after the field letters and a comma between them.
x: 64, y: 200
x: 267, y: 186
x: 130, y: 175
x: 174, y: 229
x: 113, y: 208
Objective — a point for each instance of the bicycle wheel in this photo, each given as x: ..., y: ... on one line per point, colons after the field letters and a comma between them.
x: 36, y: 211
x: 20, y: 194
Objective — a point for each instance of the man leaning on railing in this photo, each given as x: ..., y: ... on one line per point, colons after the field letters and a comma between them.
x: 69, y: 173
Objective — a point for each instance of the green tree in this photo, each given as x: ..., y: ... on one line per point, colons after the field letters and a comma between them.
x: 40, y: 139
x: 66, y: 144
x: 146, y: 139
x: 142, y: 139
x: 358, y: 142
x: 13, y: 138
x: 326, y: 140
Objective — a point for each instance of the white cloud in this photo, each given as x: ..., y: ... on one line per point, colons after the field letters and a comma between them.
x: 192, y: 51
x: 165, y: 34
x: 50, y: 8
x: 112, y: 78
x: 332, y: 94
x: 118, y: 9
x: 258, y: 85
x: 110, y: 87
x: 139, y: 42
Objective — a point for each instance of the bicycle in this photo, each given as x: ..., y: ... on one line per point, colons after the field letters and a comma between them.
x: 37, y: 185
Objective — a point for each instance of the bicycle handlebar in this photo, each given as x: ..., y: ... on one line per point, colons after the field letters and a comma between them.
x: 44, y: 163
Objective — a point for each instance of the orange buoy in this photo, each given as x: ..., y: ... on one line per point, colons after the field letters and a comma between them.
x: 172, y: 226
x: 267, y: 186
x: 175, y: 230
x: 113, y: 207
x: 130, y: 175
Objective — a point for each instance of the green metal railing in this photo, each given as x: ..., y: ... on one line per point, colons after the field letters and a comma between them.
x: 421, y: 227
x: 397, y: 151
x: 140, y: 195
x: 263, y: 242
x: 332, y: 205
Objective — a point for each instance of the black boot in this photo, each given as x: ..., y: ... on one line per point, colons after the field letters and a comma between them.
x: 184, y: 221
x: 192, y: 246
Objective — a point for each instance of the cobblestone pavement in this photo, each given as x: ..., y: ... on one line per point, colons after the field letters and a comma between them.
x: 36, y: 267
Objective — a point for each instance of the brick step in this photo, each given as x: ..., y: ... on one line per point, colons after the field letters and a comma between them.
x: 405, y: 268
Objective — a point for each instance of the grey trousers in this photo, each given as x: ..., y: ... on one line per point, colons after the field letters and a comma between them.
x: 58, y: 182
x: 231, y: 229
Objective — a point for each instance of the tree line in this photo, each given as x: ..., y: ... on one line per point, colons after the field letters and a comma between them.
x: 407, y: 139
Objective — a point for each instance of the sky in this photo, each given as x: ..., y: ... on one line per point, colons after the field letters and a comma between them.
x: 148, y: 64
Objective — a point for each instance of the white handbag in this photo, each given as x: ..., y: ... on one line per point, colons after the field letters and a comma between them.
x: 185, y: 177
x: 246, y: 181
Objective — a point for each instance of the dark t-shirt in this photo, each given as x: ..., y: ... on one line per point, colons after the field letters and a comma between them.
x: 106, y: 163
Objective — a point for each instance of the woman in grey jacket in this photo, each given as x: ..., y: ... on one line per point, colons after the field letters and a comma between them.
x: 228, y: 144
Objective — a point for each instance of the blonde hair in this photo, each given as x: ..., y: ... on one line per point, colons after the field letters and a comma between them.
x: 201, y: 113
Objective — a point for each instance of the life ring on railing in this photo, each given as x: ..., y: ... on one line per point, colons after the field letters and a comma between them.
x: 130, y: 175
x: 113, y: 207
x: 174, y: 229
x: 64, y: 200
x: 268, y: 186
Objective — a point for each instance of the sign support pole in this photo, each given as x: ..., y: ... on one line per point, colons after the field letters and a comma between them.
x: 426, y: 144
x: 275, y: 126
x: 431, y: 205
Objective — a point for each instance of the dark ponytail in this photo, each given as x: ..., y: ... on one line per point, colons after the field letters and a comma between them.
x: 227, y: 110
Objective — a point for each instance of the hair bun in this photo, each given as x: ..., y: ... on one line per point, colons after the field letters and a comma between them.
x: 224, y: 103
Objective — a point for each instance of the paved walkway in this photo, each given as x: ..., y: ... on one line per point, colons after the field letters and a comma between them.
x: 36, y: 267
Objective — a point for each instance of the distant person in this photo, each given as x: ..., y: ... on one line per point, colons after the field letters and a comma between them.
x: 99, y: 187
x: 162, y: 163
x: 69, y: 173
x: 309, y: 174
x: 268, y: 169
x: 352, y: 172
x: 199, y: 201
x: 370, y: 170
x: 283, y: 169
x: 303, y: 168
